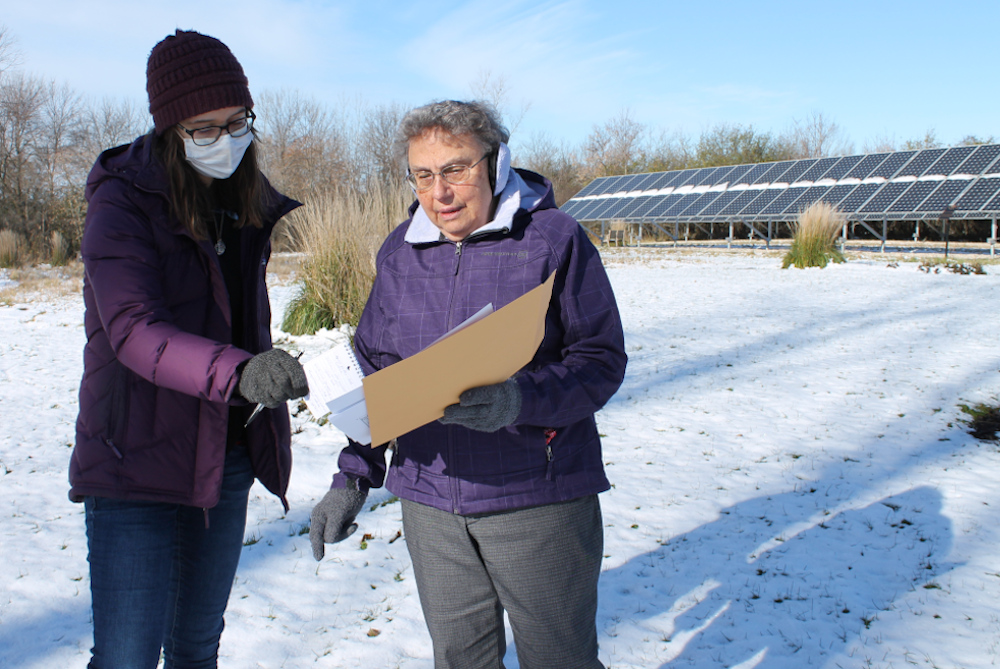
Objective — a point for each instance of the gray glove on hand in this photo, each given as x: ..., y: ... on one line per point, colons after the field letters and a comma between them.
x: 272, y: 378
x: 332, y: 519
x: 486, y: 408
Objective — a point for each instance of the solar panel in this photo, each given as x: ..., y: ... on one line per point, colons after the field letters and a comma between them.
x: 753, y: 174
x: 780, y: 203
x: 858, y: 197
x: 838, y: 194
x: 628, y: 183
x: 921, y: 162
x: 867, y: 165
x: 681, y: 204
x: 583, y: 213
x: 819, y: 169
x: 944, y: 195
x: 773, y: 174
x: 797, y: 170
x: 980, y: 159
x: 662, y: 180
x: 721, y: 175
x: 643, y: 210
x: 978, y: 195
x: 891, y: 165
x: 720, y: 202
x: 668, y: 200
x: 812, y: 194
x: 993, y: 204
x: 881, y: 200
x: 759, y: 203
x: 842, y: 167
x: 590, y: 188
x: 952, y: 158
x: 609, y: 186
x: 914, y: 198
x: 709, y: 178
x: 620, y: 204
x: 636, y: 204
x: 743, y: 199
x: 643, y: 184
x: 699, y: 204
x: 914, y: 195
x: 737, y: 174
x: 569, y: 208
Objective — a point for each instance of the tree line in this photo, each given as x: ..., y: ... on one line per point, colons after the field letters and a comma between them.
x: 50, y: 136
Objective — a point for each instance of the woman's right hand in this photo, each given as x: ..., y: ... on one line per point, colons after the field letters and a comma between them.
x: 272, y: 378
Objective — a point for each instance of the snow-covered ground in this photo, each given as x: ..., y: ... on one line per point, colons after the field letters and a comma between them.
x: 793, y: 486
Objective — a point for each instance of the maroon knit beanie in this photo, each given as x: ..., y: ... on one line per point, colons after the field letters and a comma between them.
x: 189, y: 74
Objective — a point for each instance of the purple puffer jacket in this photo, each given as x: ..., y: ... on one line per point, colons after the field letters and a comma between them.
x: 424, y: 289
x: 159, y: 372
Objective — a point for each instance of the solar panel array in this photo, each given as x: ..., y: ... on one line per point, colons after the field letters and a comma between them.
x: 897, y: 186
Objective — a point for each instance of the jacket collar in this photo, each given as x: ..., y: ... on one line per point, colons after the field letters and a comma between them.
x: 518, y: 194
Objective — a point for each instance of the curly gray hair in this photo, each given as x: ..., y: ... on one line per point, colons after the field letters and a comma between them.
x: 475, y: 118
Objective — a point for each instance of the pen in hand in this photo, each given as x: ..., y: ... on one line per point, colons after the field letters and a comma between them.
x: 257, y: 409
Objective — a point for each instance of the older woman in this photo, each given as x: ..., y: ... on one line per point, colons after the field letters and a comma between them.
x: 500, y: 505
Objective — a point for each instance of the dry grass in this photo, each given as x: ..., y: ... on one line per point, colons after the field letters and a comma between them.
x: 339, y: 233
x: 59, y: 249
x: 41, y: 284
x: 815, y: 237
x: 13, y: 249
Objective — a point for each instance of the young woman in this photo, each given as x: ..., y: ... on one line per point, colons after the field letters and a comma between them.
x: 178, y: 355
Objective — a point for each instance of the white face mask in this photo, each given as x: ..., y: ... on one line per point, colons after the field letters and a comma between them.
x: 219, y: 159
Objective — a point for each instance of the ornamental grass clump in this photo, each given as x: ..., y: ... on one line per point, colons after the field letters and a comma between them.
x: 13, y: 249
x: 59, y: 249
x: 814, y: 241
x: 339, y: 232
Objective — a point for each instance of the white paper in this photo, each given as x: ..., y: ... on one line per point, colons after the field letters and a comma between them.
x: 479, y: 315
x: 335, y: 389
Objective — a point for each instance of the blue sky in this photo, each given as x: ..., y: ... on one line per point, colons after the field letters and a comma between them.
x: 876, y: 68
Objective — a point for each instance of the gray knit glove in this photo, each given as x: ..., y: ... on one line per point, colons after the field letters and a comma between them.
x: 486, y: 408
x: 332, y: 519
x: 272, y: 378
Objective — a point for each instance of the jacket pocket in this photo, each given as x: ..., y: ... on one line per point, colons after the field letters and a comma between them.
x: 118, y: 408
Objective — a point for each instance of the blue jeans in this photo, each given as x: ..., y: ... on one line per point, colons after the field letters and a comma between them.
x: 160, y: 578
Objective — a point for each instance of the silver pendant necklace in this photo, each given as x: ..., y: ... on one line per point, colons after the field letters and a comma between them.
x: 220, y: 246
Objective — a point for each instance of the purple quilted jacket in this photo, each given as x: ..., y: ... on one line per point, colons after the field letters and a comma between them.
x: 424, y: 287
x: 159, y: 371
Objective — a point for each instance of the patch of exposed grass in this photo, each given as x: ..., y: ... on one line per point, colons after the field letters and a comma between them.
x: 983, y: 421
x: 41, y: 283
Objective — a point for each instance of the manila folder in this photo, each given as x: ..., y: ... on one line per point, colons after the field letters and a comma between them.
x: 415, y: 391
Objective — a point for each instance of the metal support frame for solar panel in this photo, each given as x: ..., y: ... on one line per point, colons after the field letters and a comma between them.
x: 914, y: 185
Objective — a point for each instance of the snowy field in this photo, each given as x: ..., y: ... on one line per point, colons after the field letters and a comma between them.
x: 793, y: 485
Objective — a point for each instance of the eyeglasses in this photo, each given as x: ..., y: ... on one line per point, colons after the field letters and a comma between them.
x: 422, y: 180
x: 209, y: 134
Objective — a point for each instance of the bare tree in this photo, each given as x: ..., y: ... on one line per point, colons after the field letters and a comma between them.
x: 375, y: 146
x: 818, y: 137
x: 880, y: 143
x: 616, y: 147
x: 109, y: 123
x: 494, y: 89
x: 727, y: 144
x: 10, y: 55
x: 302, y: 146
x: 21, y: 99
x: 557, y: 162
x: 928, y: 141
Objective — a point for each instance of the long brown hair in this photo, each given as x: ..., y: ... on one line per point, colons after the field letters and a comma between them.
x: 191, y: 201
